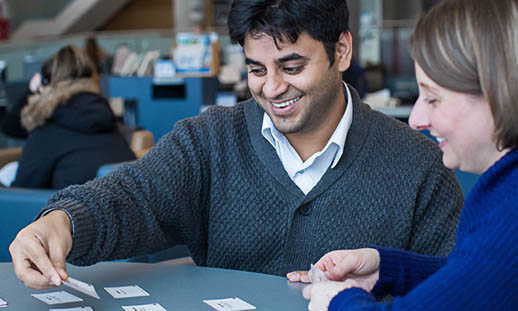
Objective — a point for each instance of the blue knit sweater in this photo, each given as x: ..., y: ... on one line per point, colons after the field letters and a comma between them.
x: 481, y: 273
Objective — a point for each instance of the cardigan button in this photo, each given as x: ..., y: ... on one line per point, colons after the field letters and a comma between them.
x: 305, y: 210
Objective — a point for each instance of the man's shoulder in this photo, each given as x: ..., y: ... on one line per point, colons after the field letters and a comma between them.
x: 397, y: 137
x: 216, y: 113
x: 215, y: 122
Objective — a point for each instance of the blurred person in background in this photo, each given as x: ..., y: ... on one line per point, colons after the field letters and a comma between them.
x: 101, y: 59
x: 71, y: 128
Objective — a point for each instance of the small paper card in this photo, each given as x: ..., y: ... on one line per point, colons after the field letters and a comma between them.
x: 74, y: 309
x: 3, y: 303
x: 126, y: 291
x: 56, y: 297
x: 150, y: 307
x: 229, y: 304
x: 83, y: 287
x: 317, y: 275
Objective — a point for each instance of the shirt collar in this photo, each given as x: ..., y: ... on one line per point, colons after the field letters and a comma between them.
x: 271, y: 134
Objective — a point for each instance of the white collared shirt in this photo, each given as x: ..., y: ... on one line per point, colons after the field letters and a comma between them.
x: 307, y: 174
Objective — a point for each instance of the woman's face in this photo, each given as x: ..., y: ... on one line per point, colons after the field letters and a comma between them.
x: 461, y: 123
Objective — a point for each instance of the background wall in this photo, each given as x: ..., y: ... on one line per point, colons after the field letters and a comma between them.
x: 21, y: 10
x: 143, y: 14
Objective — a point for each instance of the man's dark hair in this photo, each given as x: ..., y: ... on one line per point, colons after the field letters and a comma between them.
x: 323, y: 20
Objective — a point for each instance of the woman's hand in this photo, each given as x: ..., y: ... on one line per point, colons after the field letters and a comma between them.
x: 359, y: 267
x: 320, y: 294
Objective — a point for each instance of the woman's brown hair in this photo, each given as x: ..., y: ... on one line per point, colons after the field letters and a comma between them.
x: 71, y: 63
x: 471, y: 47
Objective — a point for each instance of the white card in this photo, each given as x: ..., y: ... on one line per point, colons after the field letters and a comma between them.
x: 83, y: 287
x: 74, y: 309
x: 3, y: 303
x: 229, y: 304
x: 150, y: 307
x: 317, y: 275
x: 56, y: 297
x: 126, y: 291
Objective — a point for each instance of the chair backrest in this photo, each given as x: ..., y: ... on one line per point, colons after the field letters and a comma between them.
x: 9, y: 154
x: 141, y: 142
x: 18, y: 208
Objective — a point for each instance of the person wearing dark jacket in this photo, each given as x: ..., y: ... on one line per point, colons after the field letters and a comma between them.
x: 12, y: 125
x: 72, y: 130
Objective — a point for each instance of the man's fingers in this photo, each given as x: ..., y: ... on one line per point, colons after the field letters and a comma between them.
x: 298, y: 276
x: 27, y: 272
x: 37, y: 253
x: 63, y: 274
x: 57, y: 254
x: 31, y: 262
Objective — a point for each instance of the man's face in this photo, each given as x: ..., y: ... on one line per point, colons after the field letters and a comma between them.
x: 294, y: 83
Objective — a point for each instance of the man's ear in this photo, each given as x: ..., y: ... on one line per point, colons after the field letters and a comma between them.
x: 344, y: 51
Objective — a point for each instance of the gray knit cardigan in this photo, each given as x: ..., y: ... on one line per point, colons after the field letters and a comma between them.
x: 215, y: 184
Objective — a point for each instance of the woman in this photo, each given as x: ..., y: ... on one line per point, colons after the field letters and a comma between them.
x: 72, y: 130
x: 466, y: 55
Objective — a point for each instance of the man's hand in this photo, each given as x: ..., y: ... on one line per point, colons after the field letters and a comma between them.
x: 40, y: 249
x: 360, y: 267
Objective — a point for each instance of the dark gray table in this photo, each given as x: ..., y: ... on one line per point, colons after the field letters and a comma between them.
x: 174, y: 286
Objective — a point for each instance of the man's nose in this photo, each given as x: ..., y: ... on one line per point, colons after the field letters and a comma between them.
x: 274, y: 86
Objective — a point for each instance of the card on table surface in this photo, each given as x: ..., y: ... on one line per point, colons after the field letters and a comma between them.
x: 57, y: 297
x: 74, y: 309
x: 126, y: 291
x: 317, y: 275
x: 81, y: 286
x: 3, y: 303
x: 229, y: 304
x: 150, y: 307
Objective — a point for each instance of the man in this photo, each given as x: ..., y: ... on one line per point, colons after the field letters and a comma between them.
x: 269, y: 185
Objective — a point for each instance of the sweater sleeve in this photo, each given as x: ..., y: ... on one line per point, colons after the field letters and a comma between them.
x: 479, y: 275
x: 438, y: 203
x: 401, y: 271
x: 144, y: 206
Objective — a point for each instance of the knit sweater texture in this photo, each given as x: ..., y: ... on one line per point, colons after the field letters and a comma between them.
x: 215, y: 184
x: 481, y: 273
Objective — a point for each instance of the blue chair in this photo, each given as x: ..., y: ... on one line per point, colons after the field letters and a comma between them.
x: 18, y: 208
x: 466, y: 181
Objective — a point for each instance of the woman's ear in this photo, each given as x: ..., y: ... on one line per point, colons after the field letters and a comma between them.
x: 344, y: 51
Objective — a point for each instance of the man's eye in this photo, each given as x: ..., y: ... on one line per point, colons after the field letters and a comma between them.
x: 293, y: 70
x: 257, y: 71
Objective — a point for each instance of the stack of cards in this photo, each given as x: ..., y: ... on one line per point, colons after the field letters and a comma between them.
x: 55, y: 298
x: 151, y: 307
x: 3, y: 303
x: 83, y: 287
x: 317, y: 275
x: 229, y: 304
x: 126, y: 291
x: 74, y: 309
